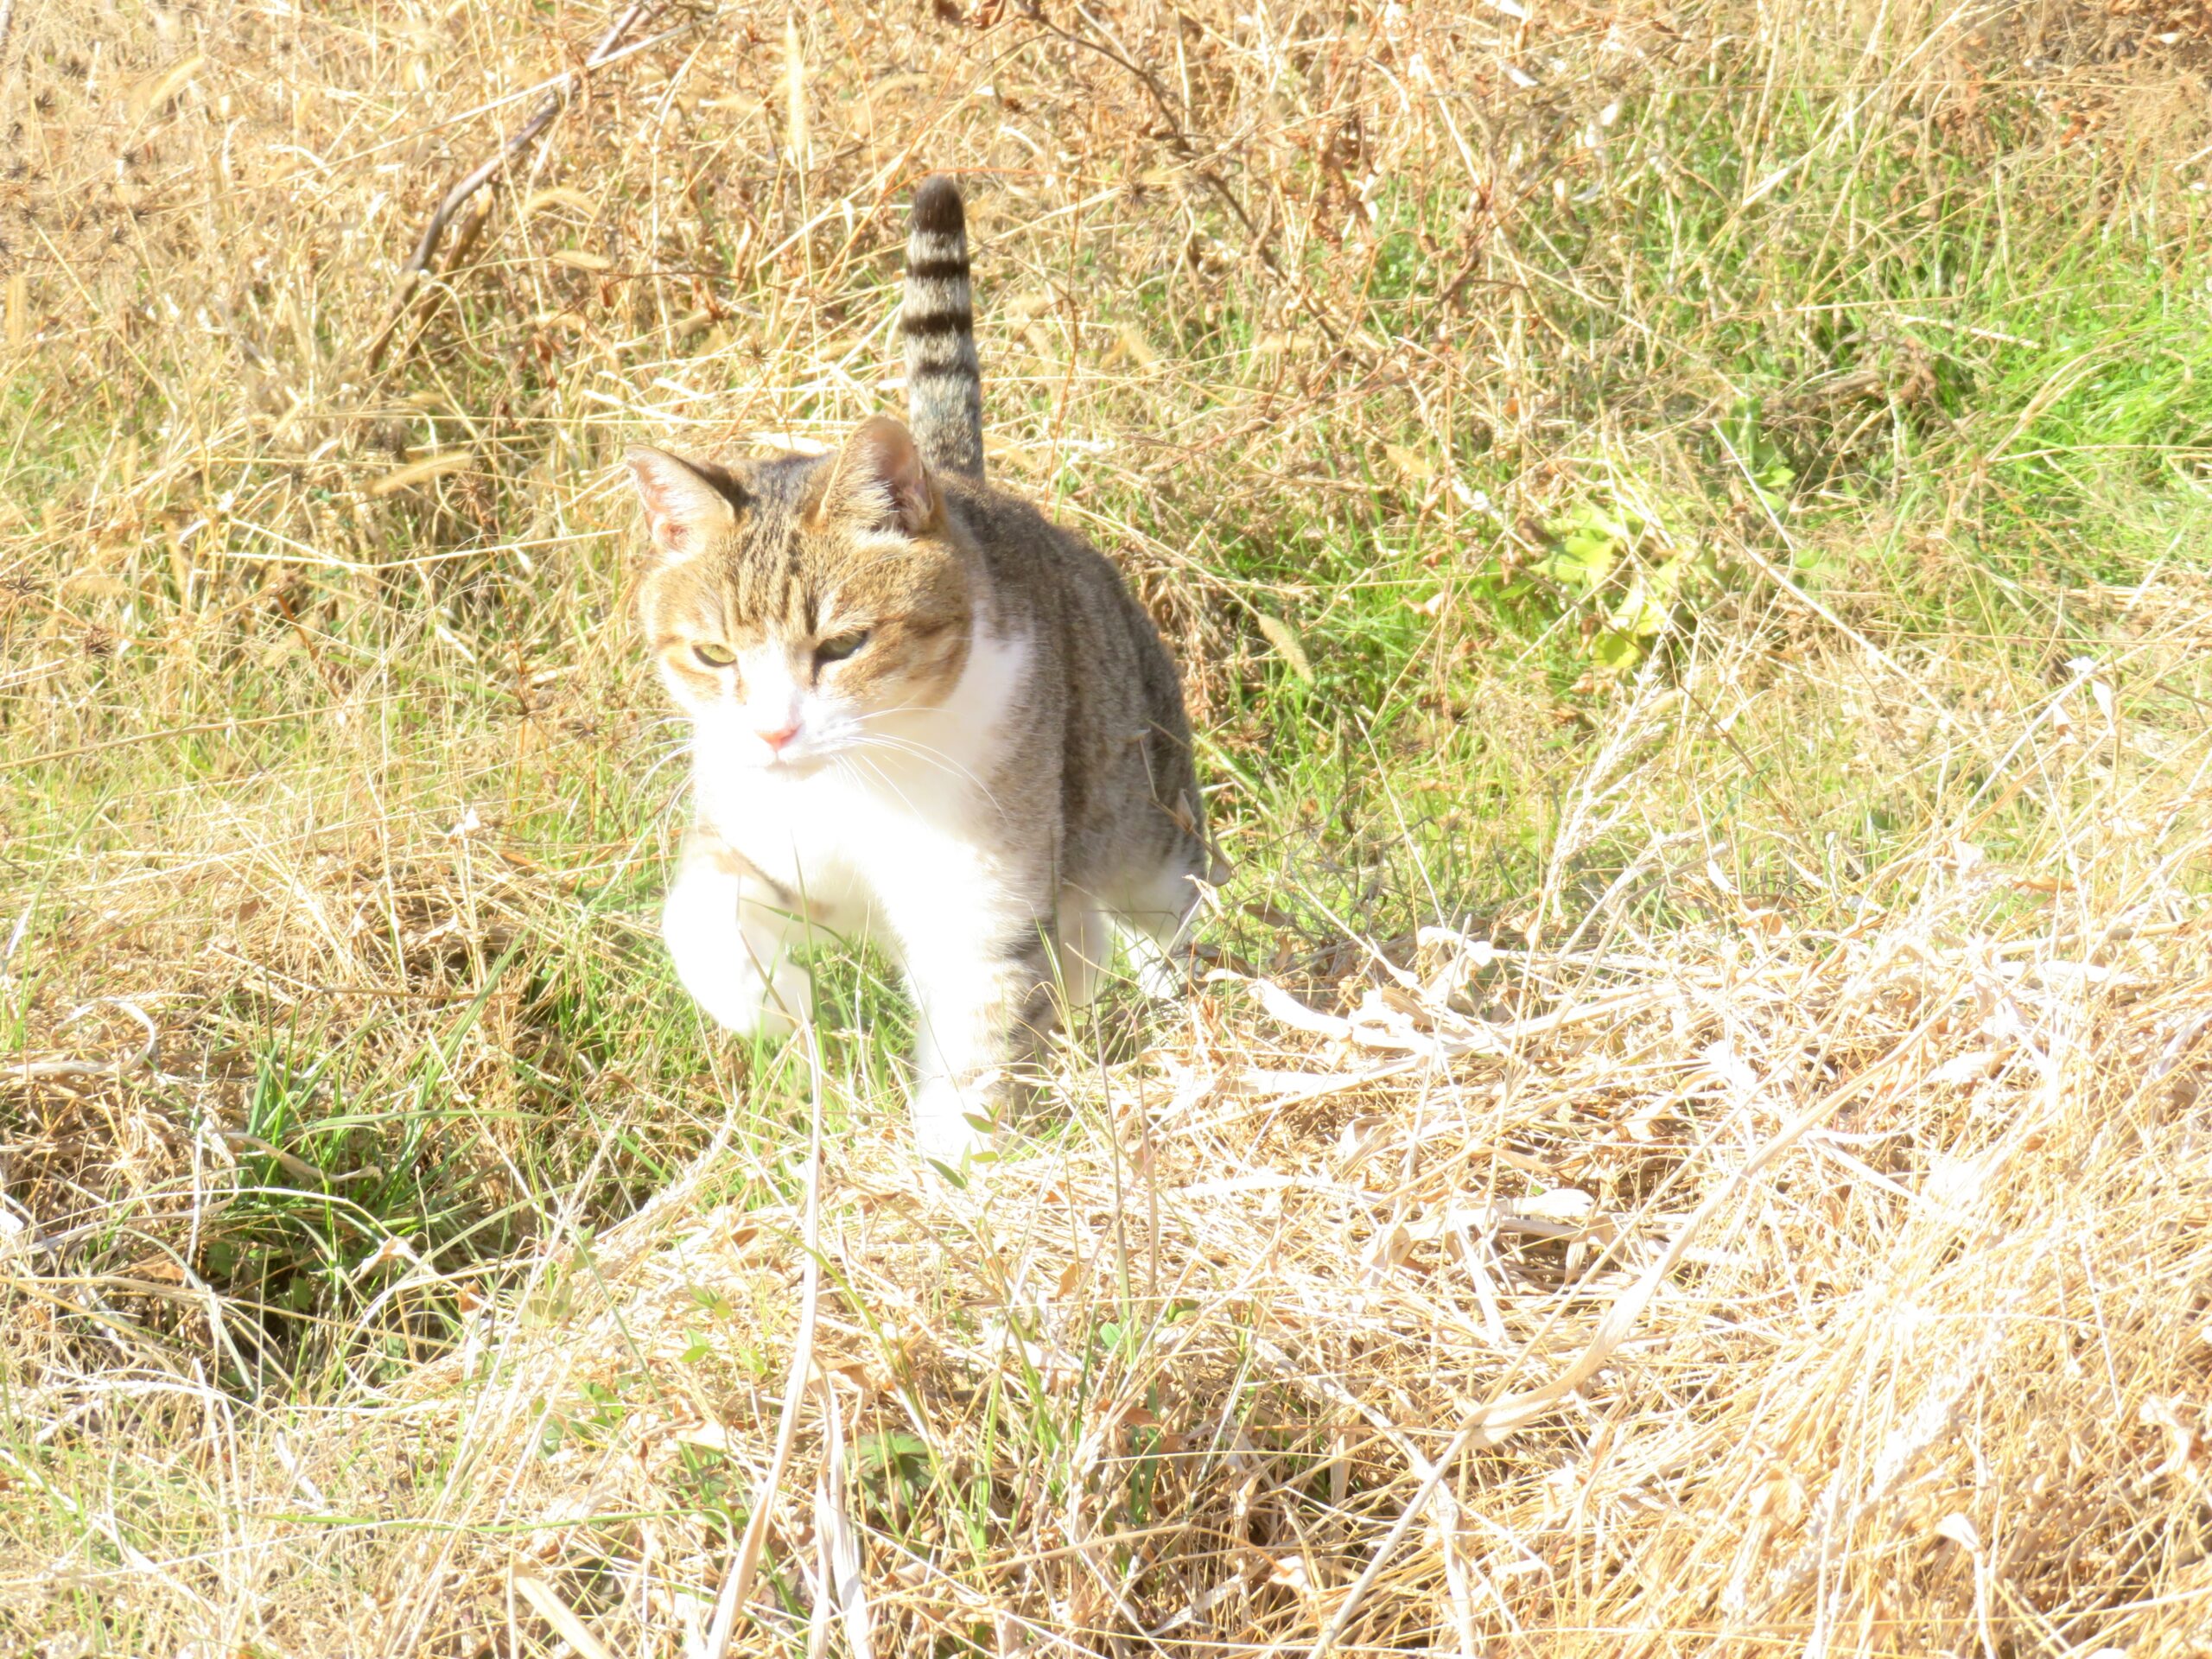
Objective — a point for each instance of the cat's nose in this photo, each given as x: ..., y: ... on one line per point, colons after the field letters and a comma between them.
x: 777, y: 741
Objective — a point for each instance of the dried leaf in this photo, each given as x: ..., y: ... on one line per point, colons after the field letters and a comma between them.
x: 150, y: 94
x: 1290, y: 1571
x: 1960, y: 1530
x: 2187, y: 1444
x: 1358, y: 1137
x: 563, y: 1617
x: 393, y: 1249
x: 422, y: 471
x: 559, y: 195
x: 1279, y: 635
x: 1560, y: 1203
x: 839, y: 1547
x: 1967, y: 1068
x: 1288, y: 1009
x: 1412, y: 464
x: 2060, y: 976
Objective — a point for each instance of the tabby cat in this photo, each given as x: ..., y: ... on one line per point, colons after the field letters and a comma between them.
x: 920, y: 711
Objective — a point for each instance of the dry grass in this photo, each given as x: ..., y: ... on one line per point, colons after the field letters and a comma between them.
x: 1695, y: 1140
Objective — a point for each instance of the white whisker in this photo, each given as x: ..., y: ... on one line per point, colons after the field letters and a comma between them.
x: 854, y: 758
x: 675, y: 754
x: 930, y: 755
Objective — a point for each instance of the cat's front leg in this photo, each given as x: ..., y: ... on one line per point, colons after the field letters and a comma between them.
x: 983, y: 1008
x: 732, y: 935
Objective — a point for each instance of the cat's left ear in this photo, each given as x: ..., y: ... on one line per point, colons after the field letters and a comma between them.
x: 683, y: 510
x: 877, y: 478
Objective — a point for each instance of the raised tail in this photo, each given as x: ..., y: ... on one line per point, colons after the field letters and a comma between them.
x: 944, y: 387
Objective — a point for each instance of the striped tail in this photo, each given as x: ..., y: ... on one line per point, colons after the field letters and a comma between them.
x: 944, y: 387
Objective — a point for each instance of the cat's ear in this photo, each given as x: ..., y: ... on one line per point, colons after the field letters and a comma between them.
x: 878, y: 480
x: 683, y: 510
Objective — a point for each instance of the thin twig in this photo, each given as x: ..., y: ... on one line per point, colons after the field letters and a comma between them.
x: 42, y: 1070
x: 555, y: 99
x: 548, y: 107
x: 740, y: 1582
x: 1177, y: 139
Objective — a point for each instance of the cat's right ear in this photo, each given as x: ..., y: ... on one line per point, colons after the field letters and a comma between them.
x: 684, y: 511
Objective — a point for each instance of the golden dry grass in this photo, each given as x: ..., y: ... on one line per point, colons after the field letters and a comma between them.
x: 1705, y: 1154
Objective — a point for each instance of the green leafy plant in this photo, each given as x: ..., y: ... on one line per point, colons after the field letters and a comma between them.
x: 1758, y: 459
x: 894, y: 1469
x: 1614, y: 555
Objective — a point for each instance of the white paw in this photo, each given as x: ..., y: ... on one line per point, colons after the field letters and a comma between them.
x: 737, y: 998
x: 1160, y: 978
x: 724, y: 980
x: 948, y: 1128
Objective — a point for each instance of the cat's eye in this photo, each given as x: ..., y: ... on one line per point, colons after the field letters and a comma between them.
x: 713, y: 656
x: 840, y: 646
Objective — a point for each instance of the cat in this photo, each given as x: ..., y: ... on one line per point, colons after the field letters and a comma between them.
x: 920, y: 711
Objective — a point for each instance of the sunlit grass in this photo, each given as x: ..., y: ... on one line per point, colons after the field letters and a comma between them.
x: 1683, y: 545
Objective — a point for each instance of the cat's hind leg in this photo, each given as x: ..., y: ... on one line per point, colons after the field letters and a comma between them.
x: 1086, y: 946
x: 983, y: 1007
x: 1153, y: 915
x: 731, y: 935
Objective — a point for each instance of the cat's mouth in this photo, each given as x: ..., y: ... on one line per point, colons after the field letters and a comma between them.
x: 798, y: 760
x: 800, y: 748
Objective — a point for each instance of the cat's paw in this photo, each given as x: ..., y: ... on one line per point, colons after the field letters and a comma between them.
x: 948, y: 1128
x: 723, y: 979
x: 740, y: 1001
x: 1161, y: 978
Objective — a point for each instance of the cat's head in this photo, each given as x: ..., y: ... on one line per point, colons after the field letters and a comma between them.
x: 793, y: 606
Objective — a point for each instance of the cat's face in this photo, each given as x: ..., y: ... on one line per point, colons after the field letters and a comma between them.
x: 795, y: 606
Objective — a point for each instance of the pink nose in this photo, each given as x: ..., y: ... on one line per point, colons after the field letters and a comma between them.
x: 778, y: 739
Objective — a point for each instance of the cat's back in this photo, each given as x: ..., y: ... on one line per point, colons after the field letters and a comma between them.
x: 1102, y: 712
x: 1105, y: 690
x: 1046, y: 572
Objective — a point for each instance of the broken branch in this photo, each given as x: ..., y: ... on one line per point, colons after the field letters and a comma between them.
x: 555, y: 99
